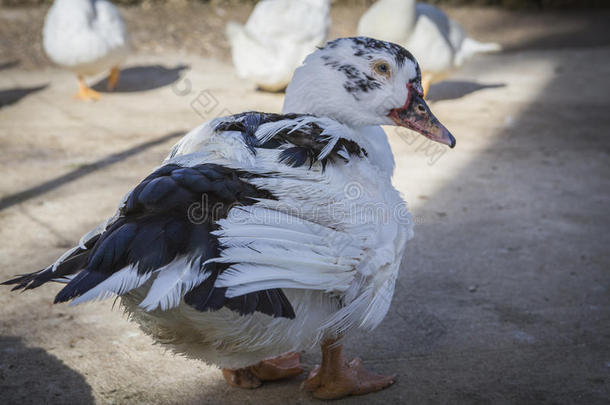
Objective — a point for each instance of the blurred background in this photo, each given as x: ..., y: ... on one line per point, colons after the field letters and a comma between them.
x: 198, y: 26
x: 503, y: 295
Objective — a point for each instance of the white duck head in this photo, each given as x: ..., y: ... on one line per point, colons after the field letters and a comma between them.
x: 361, y: 82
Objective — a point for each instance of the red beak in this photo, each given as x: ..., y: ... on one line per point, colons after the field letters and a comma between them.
x: 416, y: 115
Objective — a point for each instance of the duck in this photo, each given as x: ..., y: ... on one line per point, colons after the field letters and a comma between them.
x: 278, y: 35
x: 87, y: 37
x: 265, y: 234
x: 439, y: 43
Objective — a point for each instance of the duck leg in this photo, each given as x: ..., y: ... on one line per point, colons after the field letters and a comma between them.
x: 336, y: 378
x: 84, y: 92
x: 113, y: 78
x: 277, y: 368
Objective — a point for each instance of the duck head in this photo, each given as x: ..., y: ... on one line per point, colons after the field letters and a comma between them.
x: 361, y: 82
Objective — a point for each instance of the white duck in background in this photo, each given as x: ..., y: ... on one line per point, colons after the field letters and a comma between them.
x: 265, y: 234
x: 439, y: 43
x: 87, y: 37
x: 278, y: 35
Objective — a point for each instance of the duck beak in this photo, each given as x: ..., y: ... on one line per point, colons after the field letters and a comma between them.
x: 416, y: 115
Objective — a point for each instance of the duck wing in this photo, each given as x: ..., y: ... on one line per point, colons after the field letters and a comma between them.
x: 316, y: 234
x: 163, y: 233
x: 191, y: 221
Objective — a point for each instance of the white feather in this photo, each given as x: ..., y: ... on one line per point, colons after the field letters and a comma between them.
x: 251, y: 232
x: 172, y: 282
x: 119, y: 283
x: 276, y: 257
x: 245, y: 278
x: 379, y: 304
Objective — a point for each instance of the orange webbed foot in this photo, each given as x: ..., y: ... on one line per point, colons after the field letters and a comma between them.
x: 351, y: 379
x: 278, y: 368
x: 335, y: 378
x: 86, y: 93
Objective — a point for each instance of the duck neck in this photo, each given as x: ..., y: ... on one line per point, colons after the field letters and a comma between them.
x: 370, y: 137
x: 374, y: 139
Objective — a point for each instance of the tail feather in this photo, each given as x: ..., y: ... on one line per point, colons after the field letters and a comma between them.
x: 29, y: 281
x: 58, y: 272
x: 473, y: 46
x: 25, y: 281
x: 470, y: 47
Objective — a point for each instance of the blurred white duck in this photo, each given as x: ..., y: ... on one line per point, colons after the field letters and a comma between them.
x: 279, y: 34
x: 264, y: 234
x: 438, y: 42
x: 87, y: 37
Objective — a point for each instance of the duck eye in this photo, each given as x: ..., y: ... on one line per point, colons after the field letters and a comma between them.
x: 382, y: 68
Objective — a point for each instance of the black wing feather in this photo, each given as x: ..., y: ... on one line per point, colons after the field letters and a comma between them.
x: 155, y: 225
x: 307, y: 141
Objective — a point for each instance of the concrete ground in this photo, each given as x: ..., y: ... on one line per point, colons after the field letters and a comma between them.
x: 503, y: 296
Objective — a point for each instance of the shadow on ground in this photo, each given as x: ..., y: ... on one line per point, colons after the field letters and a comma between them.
x: 509, y: 257
x: 143, y: 78
x: 453, y: 89
x: 562, y: 29
x: 11, y: 96
x: 45, y: 187
x: 31, y: 375
x: 9, y: 64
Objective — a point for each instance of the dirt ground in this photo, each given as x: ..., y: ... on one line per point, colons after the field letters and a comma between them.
x: 503, y: 296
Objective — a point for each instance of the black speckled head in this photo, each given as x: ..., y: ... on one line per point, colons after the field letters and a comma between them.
x: 368, y: 49
x: 355, y: 80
